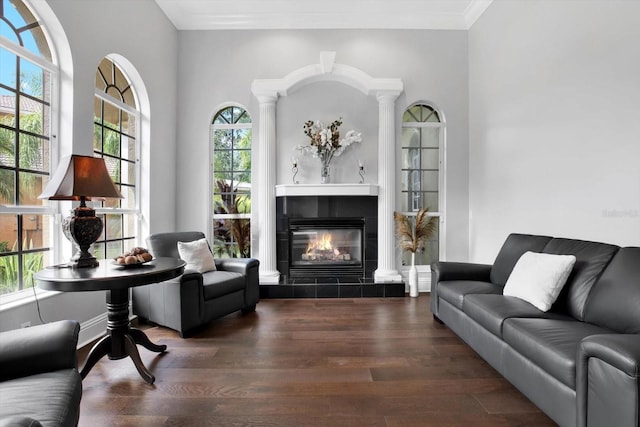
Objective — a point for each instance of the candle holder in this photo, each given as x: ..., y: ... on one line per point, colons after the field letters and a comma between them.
x: 361, y: 172
x: 294, y: 170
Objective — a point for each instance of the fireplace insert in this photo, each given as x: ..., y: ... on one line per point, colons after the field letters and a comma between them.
x: 326, y: 248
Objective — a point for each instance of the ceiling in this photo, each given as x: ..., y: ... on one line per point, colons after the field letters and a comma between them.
x: 323, y: 14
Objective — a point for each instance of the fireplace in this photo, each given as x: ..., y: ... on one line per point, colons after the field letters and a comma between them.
x: 326, y: 248
x: 353, y: 225
x: 308, y: 267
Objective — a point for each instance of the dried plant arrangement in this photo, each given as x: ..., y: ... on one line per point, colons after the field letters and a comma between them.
x: 411, y: 235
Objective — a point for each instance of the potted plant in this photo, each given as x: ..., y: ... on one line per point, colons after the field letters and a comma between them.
x: 411, y: 235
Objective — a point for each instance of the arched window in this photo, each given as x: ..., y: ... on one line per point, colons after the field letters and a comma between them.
x: 422, y: 171
x: 28, y: 71
x: 231, y: 184
x: 115, y: 137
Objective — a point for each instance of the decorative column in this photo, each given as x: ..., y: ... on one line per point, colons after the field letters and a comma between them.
x: 386, y: 271
x: 266, y: 182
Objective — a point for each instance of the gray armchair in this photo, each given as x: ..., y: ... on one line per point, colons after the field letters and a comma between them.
x: 39, y: 381
x: 194, y: 299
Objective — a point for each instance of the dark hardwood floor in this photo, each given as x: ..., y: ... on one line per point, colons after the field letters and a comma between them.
x: 309, y: 362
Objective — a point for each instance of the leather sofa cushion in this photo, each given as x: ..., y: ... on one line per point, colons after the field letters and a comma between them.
x: 52, y: 398
x: 551, y: 344
x: 510, y: 253
x: 491, y: 311
x: 455, y: 291
x: 614, y: 301
x: 591, y: 260
x: 219, y: 283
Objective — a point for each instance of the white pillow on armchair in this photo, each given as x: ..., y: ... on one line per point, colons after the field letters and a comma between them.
x: 197, y: 255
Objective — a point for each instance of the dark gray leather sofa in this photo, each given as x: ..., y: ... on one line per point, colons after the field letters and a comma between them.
x: 578, y: 362
x: 39, y: 381
x: 194, y: 299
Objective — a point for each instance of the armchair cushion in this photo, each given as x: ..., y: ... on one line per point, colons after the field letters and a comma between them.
x: 220, y: 283
x: 197, y: 255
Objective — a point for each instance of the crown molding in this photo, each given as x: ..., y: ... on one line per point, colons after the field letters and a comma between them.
x: 328, y: 14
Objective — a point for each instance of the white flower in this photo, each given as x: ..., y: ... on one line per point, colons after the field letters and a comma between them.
x: 325, y: 139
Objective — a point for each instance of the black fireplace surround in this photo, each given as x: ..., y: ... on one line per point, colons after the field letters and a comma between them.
x: 345, y: 271
x: 294, y: 213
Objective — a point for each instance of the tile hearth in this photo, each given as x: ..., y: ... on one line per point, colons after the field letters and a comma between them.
x: 333, y: 289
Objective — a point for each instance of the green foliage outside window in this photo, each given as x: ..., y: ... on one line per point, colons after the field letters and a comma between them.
x: 232, y: 183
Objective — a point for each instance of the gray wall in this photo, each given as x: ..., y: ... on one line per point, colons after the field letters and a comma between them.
x: 219, y: 66
x: 554, y: 90
x: 140, y: 32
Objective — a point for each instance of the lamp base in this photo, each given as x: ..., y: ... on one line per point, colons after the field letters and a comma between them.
x: 82, y: 228
x: 81, y: 260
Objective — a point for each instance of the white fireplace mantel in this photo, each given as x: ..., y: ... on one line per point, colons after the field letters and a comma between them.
x: 326, y: 190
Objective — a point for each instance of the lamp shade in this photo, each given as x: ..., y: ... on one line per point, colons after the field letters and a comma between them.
x: 80, y: 176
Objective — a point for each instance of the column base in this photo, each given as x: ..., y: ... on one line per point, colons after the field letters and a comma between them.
x: 387, y: 276
x: 270, y: 277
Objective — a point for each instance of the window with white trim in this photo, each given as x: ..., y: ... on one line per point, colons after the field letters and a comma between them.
x: 28, y: 71
x: 115, y: 138
x: 422, y: 172
x: 231, y: 182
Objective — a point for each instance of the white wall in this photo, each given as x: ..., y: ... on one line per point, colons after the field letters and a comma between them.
x: 553, y: 132
x: 219, y: 66
x: 140, y: 32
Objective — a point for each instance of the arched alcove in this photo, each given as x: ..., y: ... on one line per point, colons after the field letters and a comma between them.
x: 267, y: 91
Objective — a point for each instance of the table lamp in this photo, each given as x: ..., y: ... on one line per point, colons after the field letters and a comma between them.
x: 81, y: 178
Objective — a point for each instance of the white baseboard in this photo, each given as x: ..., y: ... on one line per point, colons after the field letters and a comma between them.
x: 92, y: 329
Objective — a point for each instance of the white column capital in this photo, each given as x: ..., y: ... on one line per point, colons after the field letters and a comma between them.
x: 387, y: 96
x: 266, y: 97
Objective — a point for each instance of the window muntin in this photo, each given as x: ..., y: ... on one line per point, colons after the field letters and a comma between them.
x: 19, y: 25
x: 116, y: 139
x: 231, y: 145
x: 421, y: 171
x: 27, y: 73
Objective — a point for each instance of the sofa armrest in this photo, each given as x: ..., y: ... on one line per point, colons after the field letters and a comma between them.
x: 19, y: 421
x: 445, y: 271
x: 608, y: 380
x: 38, y: 349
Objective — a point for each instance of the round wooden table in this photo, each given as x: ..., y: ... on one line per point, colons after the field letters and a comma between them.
x: 121, y: 339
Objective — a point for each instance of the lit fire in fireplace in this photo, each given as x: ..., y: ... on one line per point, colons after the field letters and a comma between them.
x: 321, y: 249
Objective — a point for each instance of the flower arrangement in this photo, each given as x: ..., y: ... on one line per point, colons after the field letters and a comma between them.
x: 325, y: 140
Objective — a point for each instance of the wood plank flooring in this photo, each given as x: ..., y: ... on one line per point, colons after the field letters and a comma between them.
x: 309, y: 362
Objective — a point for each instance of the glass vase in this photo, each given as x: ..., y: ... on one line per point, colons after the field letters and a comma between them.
x: 325, y: 172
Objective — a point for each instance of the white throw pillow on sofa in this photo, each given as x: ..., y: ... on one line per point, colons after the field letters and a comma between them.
x: 197, y: 255
x: 538, y: 278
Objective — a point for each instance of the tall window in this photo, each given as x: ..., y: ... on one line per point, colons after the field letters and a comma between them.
x: 422, y: 132
x: 231, y: 135
x: 27, y: 70
x: 115, y: 138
